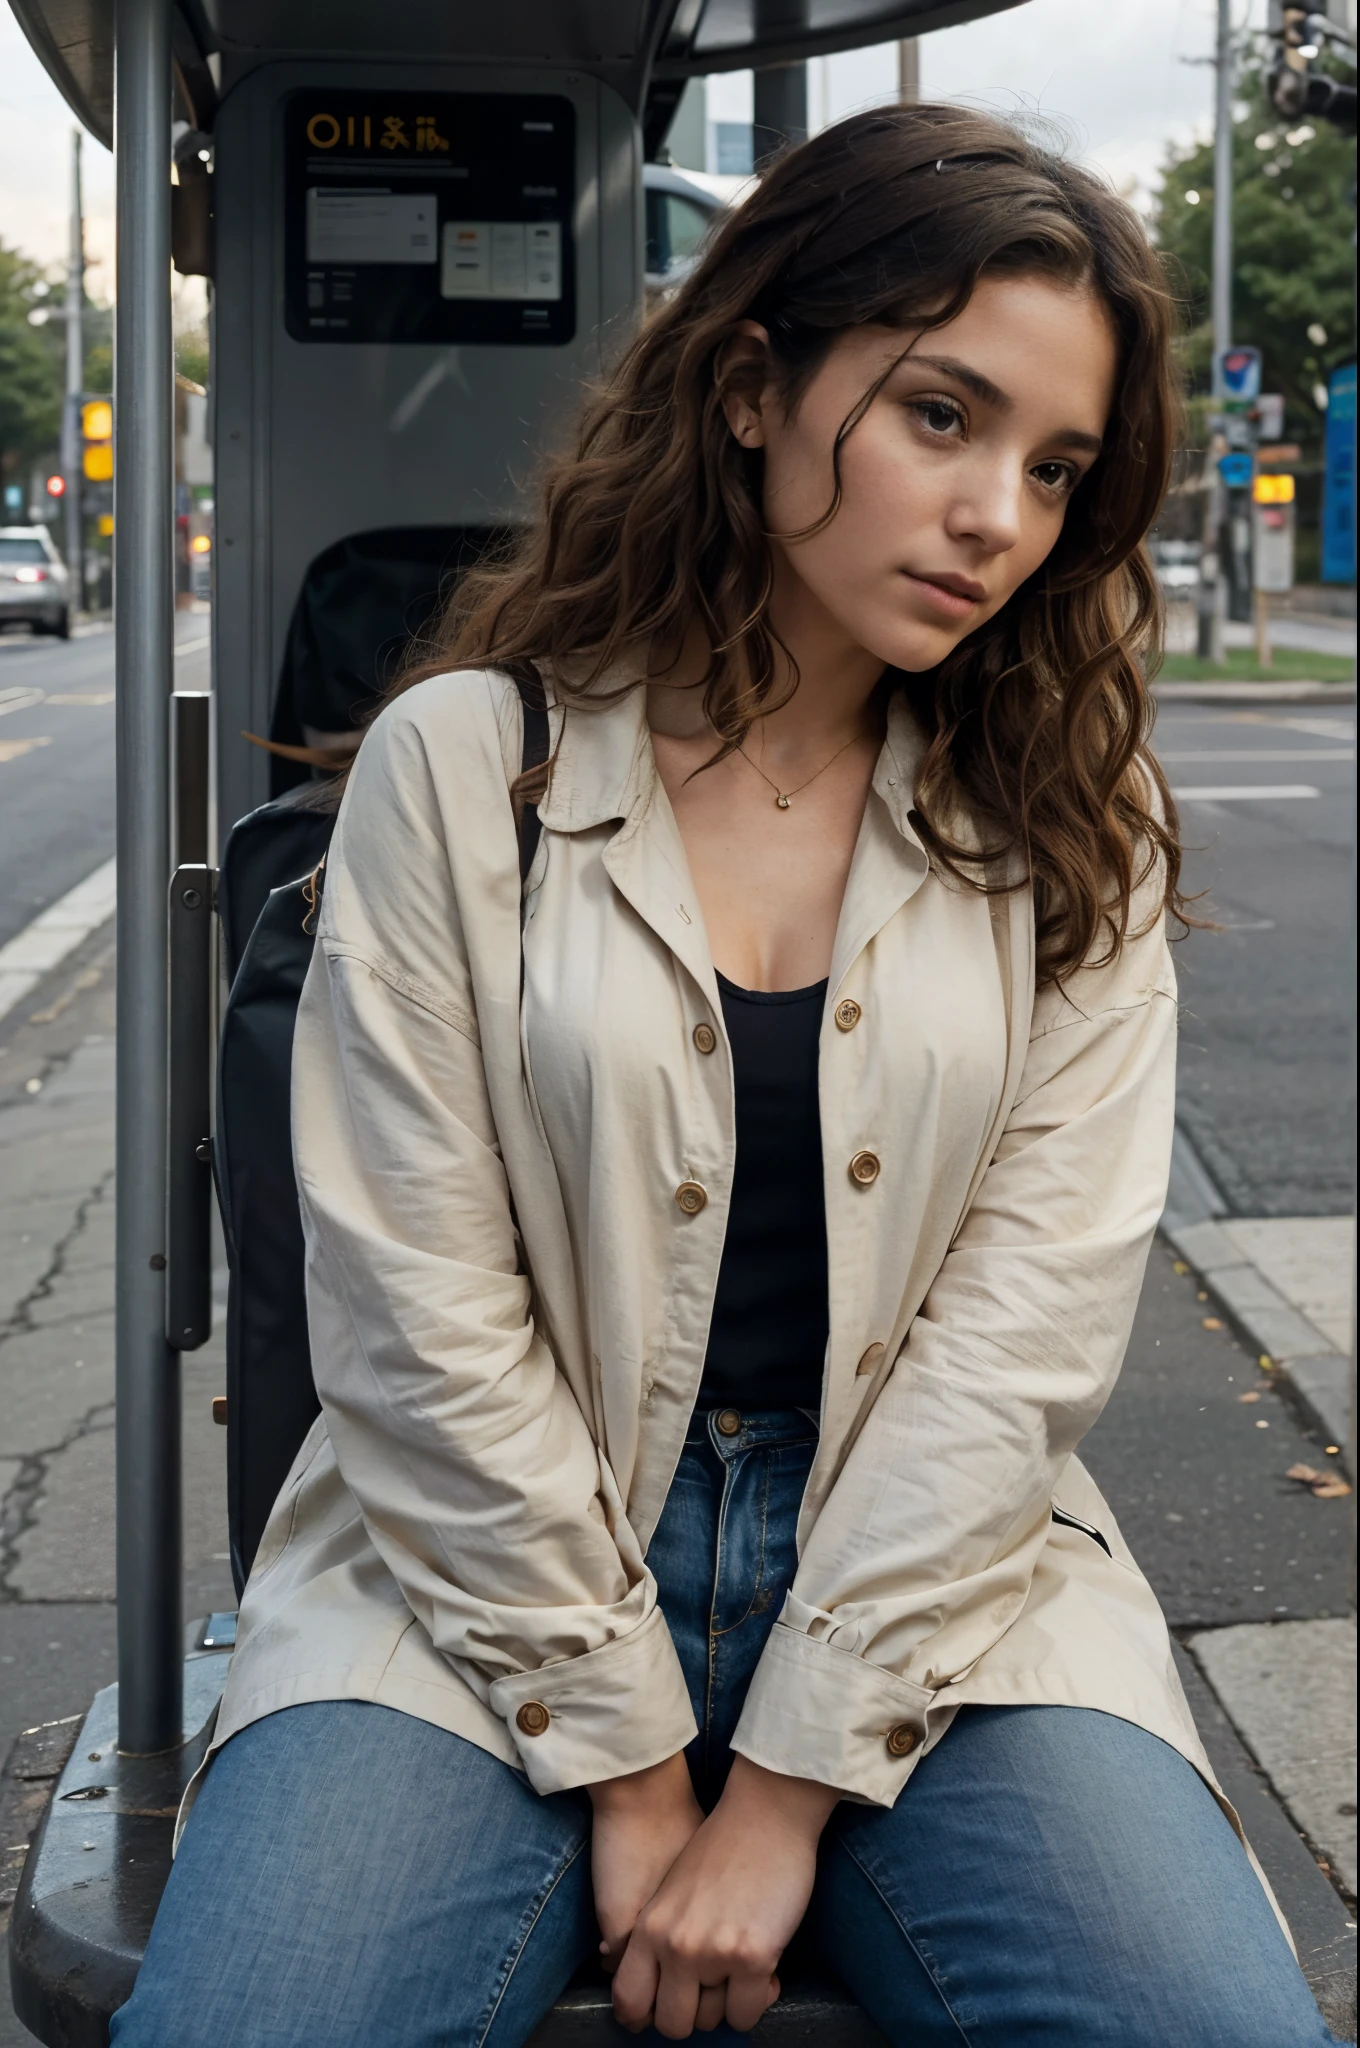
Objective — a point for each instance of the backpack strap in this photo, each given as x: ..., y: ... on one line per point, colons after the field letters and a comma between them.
x: 532, y: 754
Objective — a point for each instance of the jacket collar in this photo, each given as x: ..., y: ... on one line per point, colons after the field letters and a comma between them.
x: 604, y: 770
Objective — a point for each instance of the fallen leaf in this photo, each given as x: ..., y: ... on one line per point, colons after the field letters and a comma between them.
x: 1244, y: 1398
x: 1180, y: 1266
x: 1211, y: 1322
x: 1266, y: 1363
x: 1263, y: 1425
x: 1201, y: 1296
x: 1322, y: 1485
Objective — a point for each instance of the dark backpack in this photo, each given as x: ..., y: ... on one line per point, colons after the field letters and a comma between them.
x: 268, y: 892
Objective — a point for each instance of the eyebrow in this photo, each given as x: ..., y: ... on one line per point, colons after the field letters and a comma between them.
x: 992, y: 394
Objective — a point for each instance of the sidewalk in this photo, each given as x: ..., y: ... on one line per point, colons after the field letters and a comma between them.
x: 1285, y: 1286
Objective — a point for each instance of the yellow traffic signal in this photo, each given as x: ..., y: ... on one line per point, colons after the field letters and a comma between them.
x: 98, y: 462
x: 96, y: 420
x: 1273, y: 490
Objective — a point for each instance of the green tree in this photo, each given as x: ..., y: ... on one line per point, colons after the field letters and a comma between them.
x: 1293, y: 249
x: 30, y: 365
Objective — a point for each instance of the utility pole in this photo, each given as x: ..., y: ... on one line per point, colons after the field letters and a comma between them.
x: 75, y: 385
x: 909, y: 71
x: 1214, y: 538
x: 1223, y: 190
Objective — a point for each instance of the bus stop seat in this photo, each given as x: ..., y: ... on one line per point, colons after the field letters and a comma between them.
x: 101, y: 1856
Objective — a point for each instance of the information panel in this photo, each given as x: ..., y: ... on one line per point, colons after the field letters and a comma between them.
x: 428, y: 217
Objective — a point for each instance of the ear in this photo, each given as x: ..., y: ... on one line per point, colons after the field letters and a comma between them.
x: 742, y: 372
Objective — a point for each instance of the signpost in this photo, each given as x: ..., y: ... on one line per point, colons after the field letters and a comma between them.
x: 1272, y: 551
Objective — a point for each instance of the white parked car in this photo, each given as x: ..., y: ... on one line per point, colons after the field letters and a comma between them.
x: 680, y: 212
x: 34, y: 586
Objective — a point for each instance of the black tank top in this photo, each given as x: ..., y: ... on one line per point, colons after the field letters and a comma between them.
x: 767, y: 1339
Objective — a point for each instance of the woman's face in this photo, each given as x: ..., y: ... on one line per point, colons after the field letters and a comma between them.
x: 956, y: 481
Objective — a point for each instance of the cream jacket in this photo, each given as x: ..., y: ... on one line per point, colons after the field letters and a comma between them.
x: 514, y: 1204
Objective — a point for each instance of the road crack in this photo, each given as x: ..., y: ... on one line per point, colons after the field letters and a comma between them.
x: 24, y: 1496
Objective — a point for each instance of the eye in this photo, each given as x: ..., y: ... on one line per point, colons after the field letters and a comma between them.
x: 1062, y: 477
x: 939, y: 416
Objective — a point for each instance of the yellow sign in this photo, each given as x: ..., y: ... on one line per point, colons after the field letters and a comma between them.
x: 99, y: 462
x: 96, y: 420
x: 1273, y: 490
x: 106, y: 525
x: 326, y: 131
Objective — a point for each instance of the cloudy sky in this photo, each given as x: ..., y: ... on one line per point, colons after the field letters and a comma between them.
x: 1113, y: 74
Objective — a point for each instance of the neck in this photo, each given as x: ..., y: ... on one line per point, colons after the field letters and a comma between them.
x: 829, y: 704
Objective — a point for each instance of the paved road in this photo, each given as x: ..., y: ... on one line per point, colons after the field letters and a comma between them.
x: 56, y: 759
x: 1267, y: 999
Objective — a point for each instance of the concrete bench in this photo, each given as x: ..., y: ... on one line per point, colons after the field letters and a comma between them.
x: 100, y: 1858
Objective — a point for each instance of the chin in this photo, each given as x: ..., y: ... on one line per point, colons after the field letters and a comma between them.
x: 915, y: 653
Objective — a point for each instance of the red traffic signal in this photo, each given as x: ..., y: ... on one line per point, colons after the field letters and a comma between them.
x: 56, y: 487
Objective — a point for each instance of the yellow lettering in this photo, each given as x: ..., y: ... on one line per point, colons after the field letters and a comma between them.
x: 349, y: 131
x: 368, y: 132
x: 394, y: 134
x: 427, y: 135
x: 316, y: 131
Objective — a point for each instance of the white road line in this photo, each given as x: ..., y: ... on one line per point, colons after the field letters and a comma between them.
x: 193, y: 646
x: 54, y: 934
x: 1245, y: 793
x: 1272, y: 758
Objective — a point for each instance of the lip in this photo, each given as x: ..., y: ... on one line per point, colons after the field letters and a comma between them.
x: 956, y: 596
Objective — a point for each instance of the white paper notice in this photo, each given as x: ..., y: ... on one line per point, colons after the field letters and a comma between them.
x: 501, y: 259
x: 371, y: 227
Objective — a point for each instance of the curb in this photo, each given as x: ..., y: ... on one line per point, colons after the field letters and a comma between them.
x: 1254, y: 693
x: 1314, y: 1377
x: 56, y: 932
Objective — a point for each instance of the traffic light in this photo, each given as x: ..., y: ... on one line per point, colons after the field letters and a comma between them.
x: 96, y: 432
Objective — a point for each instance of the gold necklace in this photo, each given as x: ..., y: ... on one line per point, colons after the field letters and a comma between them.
x: 784, y: 797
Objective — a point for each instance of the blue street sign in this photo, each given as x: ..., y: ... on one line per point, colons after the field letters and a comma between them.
x: 1239, y: 370
x: 1338, y: 482
x: 1235, y: 469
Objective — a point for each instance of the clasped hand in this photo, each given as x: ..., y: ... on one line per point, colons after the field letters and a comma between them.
x: 696, y: 1913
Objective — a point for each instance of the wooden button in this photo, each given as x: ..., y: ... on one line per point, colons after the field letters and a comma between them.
x: 219, y: 1408
x: 728, y: 1421
x: 848, y: 1014
x: 902, y: 1740
x: 864, y: 1168
x: 691, y: 1197
x: 869, y: 1362
x: 705, y: 1037
x: 533, y: 1718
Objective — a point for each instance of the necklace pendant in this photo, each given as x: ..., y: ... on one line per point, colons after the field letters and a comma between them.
x: 782, y: 802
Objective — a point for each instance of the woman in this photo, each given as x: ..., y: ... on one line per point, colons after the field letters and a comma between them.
x: 717, y: 1253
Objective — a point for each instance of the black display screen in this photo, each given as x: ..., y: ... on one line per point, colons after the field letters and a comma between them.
x: 430, y: 217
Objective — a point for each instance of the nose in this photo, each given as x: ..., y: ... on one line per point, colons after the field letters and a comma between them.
x: 987, y: 510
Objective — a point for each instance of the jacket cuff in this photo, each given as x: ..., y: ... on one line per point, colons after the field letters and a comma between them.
x: 614, y: 1710
x: 814, y: 1711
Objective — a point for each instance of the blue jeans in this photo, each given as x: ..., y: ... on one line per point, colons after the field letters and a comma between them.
x: 1050, y: 1877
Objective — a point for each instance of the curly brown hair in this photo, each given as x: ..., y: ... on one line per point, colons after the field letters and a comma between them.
x: 1038, y: 722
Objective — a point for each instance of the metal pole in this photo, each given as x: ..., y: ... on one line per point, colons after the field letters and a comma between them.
x: 909, y: 71
x: 150, y: 1650
x: 1213, y: 591
x: 1223, y: 189
x: 75, y: 385
x: 781, y: 109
